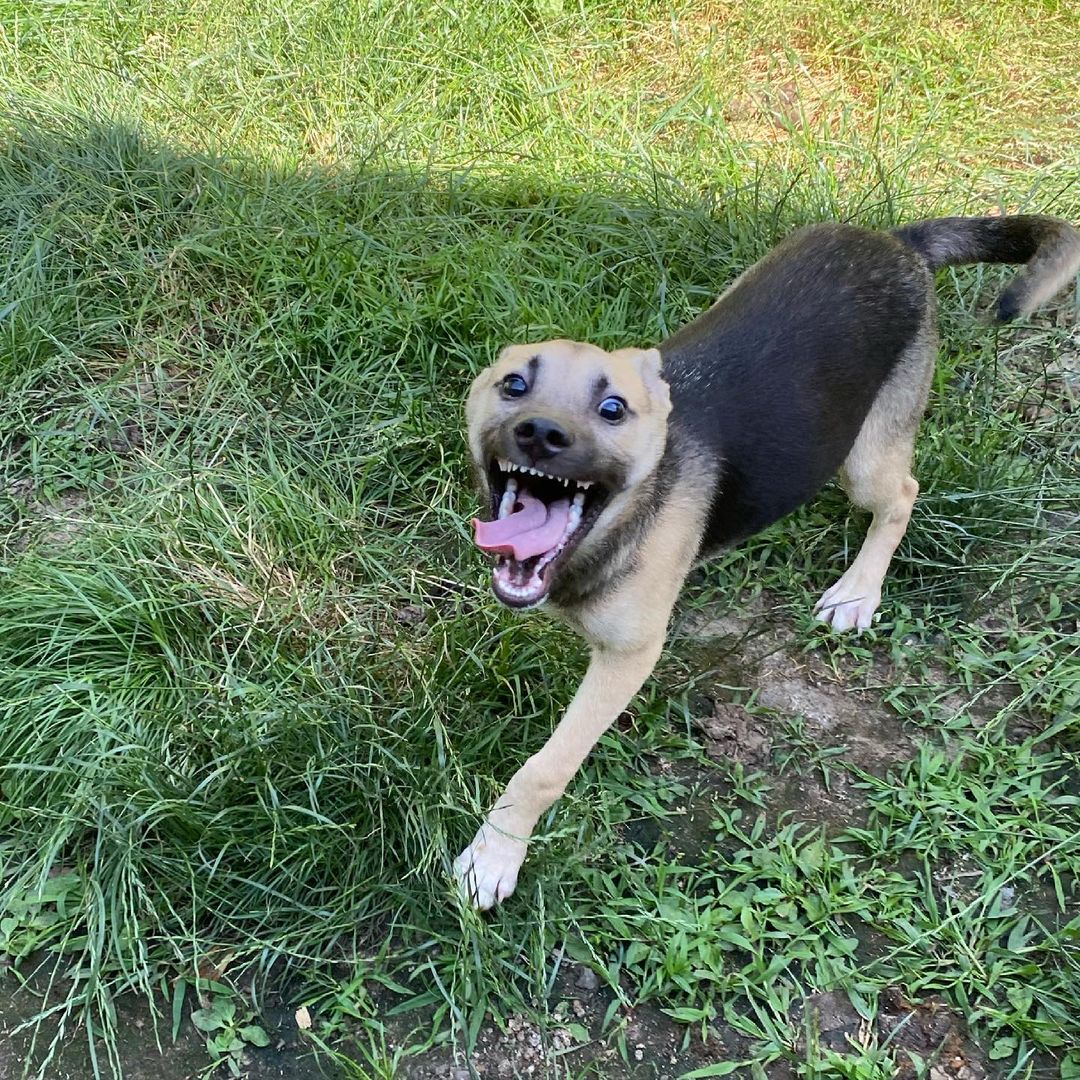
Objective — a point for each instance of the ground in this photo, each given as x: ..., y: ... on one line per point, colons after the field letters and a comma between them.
x: 254, y: 690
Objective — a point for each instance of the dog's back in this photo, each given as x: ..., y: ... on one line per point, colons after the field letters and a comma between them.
x: 776, y: 379
x: 778, y: 376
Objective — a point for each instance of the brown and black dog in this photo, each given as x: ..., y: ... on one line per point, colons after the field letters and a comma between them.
x: 609, y: 474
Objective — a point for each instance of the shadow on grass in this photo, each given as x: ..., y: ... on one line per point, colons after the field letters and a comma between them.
x: 253, y: 694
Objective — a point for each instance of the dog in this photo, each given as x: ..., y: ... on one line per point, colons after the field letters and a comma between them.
x: 610, y: 474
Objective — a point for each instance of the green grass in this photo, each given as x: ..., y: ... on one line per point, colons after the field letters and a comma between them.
x: 254, y: 691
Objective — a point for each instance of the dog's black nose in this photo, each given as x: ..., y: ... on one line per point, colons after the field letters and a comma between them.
x: 540, y: 438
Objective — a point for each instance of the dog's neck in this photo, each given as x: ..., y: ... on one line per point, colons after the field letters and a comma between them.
x: 612, y: 556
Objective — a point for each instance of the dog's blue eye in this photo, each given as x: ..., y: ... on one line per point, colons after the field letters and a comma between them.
x: 612, y: 409
x: 514, y: 386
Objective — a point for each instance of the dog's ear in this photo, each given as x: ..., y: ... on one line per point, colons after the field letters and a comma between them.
x: 650, y: 364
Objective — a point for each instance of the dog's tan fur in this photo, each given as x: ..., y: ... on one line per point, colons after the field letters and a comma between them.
x: 876, y: 476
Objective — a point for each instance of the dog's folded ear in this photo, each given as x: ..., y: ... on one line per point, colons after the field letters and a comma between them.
x: 650, y: 364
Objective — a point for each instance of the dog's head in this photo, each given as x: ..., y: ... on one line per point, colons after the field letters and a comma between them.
x: 563, y: 434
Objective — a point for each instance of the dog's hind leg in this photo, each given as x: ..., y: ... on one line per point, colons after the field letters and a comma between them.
x: 890, y: 494
x: 877, y: 477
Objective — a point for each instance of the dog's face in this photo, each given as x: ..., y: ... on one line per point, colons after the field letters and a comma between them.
x: 562, y: 435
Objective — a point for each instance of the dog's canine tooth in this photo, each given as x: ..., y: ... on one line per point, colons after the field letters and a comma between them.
x: 579, y: 499
x: 506, y: 503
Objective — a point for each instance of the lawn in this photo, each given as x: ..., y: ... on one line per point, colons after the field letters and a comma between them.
x: 254, y: 689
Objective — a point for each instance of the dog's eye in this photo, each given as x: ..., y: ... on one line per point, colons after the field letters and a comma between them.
x: 514, y: 386
x: 612, y: 409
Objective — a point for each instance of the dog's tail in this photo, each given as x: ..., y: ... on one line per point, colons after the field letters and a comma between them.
x: 1049, y: 246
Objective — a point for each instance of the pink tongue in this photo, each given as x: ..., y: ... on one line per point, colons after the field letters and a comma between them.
x: 532, y: 530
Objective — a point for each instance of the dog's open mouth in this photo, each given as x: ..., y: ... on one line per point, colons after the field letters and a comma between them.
x: 539, y: 518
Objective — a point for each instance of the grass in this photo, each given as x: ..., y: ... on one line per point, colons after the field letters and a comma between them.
x: 253, y: 689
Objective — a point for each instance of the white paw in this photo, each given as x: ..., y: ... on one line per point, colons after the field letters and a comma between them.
x: 487, y: 869
x: 850, y: 603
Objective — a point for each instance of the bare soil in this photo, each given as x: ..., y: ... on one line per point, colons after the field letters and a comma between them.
x: 146, y: 1049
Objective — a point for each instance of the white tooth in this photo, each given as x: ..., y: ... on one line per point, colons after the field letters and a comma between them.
x: 506, y: 504
x: 579, y: 499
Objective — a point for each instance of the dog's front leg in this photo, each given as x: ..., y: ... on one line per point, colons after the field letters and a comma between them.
x: 488, y: 867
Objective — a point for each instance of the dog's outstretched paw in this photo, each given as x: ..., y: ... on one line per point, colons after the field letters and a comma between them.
x: 487, y: 870
x: 848, y: 605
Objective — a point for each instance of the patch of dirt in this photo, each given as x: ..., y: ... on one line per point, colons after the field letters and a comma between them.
x: 1040, y: 373
x: 645, y: 1044
x: 146, y: 1052
x: 801, y: 723
x: 641, y: 1043
x: 931, y: 1030
x: 731, y: 733
x: 54, y: 522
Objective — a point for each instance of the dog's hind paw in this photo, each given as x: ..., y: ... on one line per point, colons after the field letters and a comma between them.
x: 487, y: 870
x: 849, y: 605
